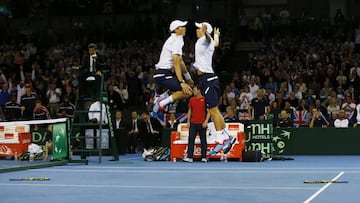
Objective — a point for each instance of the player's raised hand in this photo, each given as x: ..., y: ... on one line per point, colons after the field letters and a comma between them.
x: 216, y: 31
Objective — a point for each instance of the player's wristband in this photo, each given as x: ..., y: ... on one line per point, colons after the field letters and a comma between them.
x: 187, y: 76
x: 216, y: 37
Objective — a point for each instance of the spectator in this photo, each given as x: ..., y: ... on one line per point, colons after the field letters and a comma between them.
x: 342, y: 121
x: 150, y: 129
x: 322, y: 109
x: 66, y: 109
x: 357, y: 120
x: 224, y: 102
x: 333, y: 107
x: 285, y: 120
x: 118, y: 121
x: 4, y: 95
x: 325, y: 91
x: 317, y: 119
x: 253, y: 87
x: 172, y: 122
x: 259, y: 106
x: 229, y: 93
x: 28, y: 103
x: 270, y: 84
x: 270, y: 96
x: 230, y: 116
x: 40, y: 112
x: 349, y: 107
x: 294, y: 102
x: 234, y: 89
x: 53, y: 94
x: 245, y: 99
x: 133, y: 135
x: 114, y: 97
x: 12, y: 109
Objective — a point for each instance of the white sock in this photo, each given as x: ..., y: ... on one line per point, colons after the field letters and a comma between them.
x: 164, y: 95
x: 166, y: 101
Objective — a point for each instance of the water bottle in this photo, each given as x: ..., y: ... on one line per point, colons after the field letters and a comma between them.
x: 70, y: 153
x: 31, y: 158
x: 16, y: 156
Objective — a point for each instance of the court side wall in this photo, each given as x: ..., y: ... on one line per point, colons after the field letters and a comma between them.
x: 319, y: 141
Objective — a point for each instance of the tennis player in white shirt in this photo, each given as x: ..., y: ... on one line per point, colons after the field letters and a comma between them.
x: 171, y: 71
x: 209, y: 84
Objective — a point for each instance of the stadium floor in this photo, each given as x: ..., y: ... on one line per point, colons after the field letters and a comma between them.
x: 133, y: 180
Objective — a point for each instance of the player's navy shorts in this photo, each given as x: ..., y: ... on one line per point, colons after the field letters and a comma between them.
x: 167, y: 79
x: 210, y: 89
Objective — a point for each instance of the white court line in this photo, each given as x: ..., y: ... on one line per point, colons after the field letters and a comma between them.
x: 158, y: 187
x: 181, y: 171
x: 212, y: 168
x: 312, y: 197
x: 206, y: 168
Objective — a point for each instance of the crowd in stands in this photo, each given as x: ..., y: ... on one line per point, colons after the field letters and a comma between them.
x: 296, y: 72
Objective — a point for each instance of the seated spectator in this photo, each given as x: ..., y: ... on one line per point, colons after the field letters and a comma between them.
x: 342, y: 121
x: 269, y: 95
x: 4, y: 95
x: 150, y: 129
x: 271, y: 84
x: 357, y: 120
x: 294, y: 102
x: 40, y: 112
x: 12, y: 109
x: 172, y: 122
x: 333, y: 94
x: 230, y: 115
x: 333, y: 107
x: 303, y: 105
x: 66, y: 108
x: 348, y: 106
x: 322, y: 109
x: 234, y: 105
x: 317, y: 120
x: 245, y: 99
x: 133, y: 136
x: 285, y: 120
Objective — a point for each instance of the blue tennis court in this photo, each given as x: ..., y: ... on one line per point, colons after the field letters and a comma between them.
x: 133, y: 180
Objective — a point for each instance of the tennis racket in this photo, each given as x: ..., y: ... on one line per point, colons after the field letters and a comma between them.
x: 29, y: 179
x: 324, y: 181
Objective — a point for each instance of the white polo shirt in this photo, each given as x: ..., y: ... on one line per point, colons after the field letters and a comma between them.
x: 173, y: 45
x: 357, y: 109
x: 341, y: 123
x: 204, y: 51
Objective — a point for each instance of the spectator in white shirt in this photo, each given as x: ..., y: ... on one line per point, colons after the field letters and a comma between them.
x: 341, y: 121
x: 357, y: 121
x: 349, y: 107
x: 253, y: 87
x: 245, y: 99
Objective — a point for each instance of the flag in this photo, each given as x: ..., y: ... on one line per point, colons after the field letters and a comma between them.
x: 300, y: 118
x: 164, y: 117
